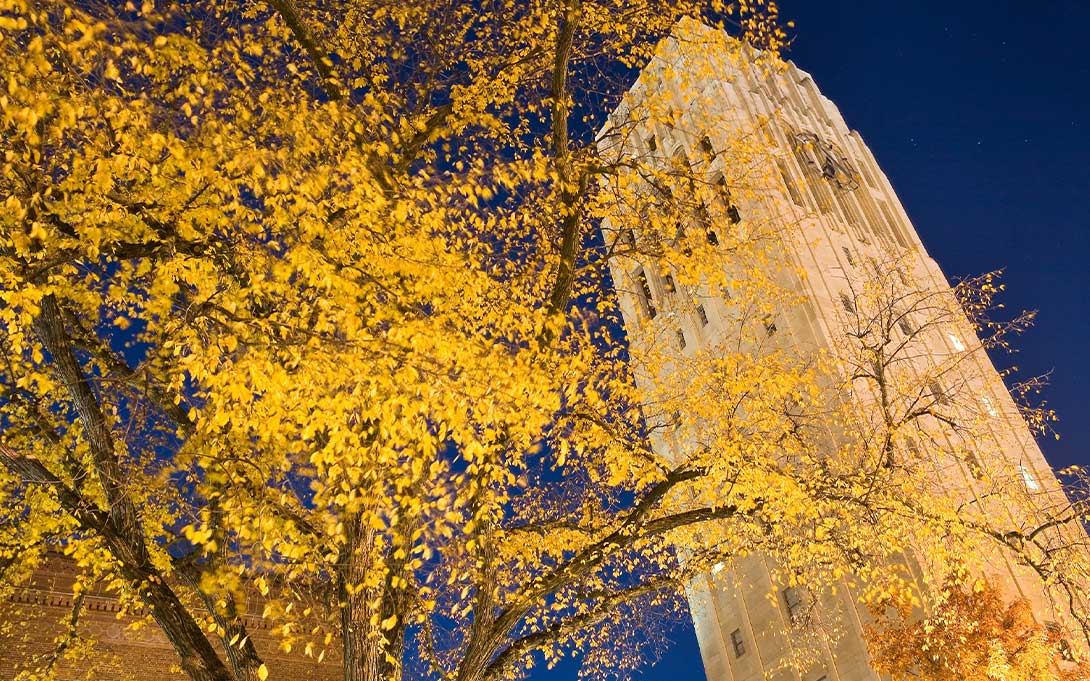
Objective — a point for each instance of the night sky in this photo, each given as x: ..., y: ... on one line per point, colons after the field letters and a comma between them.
x: 978, y: 111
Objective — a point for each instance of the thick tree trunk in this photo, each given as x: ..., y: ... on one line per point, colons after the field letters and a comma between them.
x: 121, y: 527
x: 198, y: 658
x: 370, y: 652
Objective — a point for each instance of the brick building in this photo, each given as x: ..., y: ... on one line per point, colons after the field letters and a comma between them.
x: 34, y: 618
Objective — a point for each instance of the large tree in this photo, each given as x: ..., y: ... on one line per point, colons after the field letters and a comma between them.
x: 306, y: 301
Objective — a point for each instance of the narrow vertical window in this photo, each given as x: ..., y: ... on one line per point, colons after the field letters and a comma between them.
x: 770, y: 326
x: 938, y: 393
x: 905, y: 326
x: 846, y: 302
x: 975, y: 469
x: 1027, y: 477
x: 652, y: 143
x: 706, y: 146
x: 668, y: 283
x: 848, y: 255
x: 956, y: 342
x: 733, y: 215
x: 738, y: 643
x: 913, y: 447
x: 713, y: 239
x: 702, y: 314
x: 644, y: 292
x: 792, y: 598
x: 681, y: 339
x: 989, y: 406
x: 792, y: 190
x: 732, y: 211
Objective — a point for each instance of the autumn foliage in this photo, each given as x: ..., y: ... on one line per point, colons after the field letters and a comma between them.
x: 307, y: 305
x: 972, y: 635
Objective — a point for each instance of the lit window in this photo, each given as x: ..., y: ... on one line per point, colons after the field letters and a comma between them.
x: 1027, y: 477
x: 702, y: 315
x: 956, y: 342
x: 737, y: 643
x: 989, y: 406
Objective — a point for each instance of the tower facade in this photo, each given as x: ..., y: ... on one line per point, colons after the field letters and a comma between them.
x: 845, y: 234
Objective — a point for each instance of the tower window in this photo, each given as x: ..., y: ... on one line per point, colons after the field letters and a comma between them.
x: 706, y: 146
x: 733, y: 215
x: 1027, y: 477
x: 956, y: 342
x: 681, y: 339
x: 770, y: 326
x: 849, y: 306
x: 975, y: 468
x: 913, y: 447
x: 848, y: 255
x: 938, y: 393
x: 652, y: 143
x: 792, y: 190
x: 713, y: 239
x: 792, y: 598
x: 905, y: 326
x: 702, y: 315
x: 737, y: 643
x: 668, y: 283
x: 732, y: 211
x: 644, y: 292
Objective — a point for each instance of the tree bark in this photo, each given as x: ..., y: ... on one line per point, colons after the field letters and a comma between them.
x: 120, y: 527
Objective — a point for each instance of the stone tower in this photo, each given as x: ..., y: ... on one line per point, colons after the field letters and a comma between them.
x: 844, y: 224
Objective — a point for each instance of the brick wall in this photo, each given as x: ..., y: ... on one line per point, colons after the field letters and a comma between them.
x: 107, y: 650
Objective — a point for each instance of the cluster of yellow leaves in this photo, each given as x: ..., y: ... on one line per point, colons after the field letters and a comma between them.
x: 331, y: 276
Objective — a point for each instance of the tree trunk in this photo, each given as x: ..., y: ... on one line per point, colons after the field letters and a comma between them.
x: 370, y: 652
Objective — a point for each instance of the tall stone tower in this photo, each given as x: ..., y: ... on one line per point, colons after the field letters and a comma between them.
x: 845, y: 229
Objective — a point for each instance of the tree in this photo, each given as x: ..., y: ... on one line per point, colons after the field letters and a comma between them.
x: 930, y: 413
x: 973, y: 636
x: 307, y: 300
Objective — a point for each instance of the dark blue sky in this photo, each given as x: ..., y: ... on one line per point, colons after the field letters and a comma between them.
x: 979, y: 113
